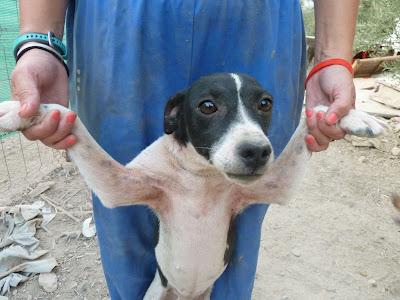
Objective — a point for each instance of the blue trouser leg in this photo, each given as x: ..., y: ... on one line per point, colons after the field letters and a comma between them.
x: 125, y: 233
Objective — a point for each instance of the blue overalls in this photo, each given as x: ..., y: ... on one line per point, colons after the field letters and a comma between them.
x: 128, y: 56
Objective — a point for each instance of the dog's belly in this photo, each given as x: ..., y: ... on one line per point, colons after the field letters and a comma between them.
x: 192, y: 246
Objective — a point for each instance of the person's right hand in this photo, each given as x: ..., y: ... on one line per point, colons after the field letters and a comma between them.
x: 40, y: 78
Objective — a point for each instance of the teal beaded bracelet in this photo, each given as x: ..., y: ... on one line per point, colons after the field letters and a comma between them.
x: 47, y: 39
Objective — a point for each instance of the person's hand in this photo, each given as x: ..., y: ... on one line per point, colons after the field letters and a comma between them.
x: 40, y: 78
x: 333, y: 87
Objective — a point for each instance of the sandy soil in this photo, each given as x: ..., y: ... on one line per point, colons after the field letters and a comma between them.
x: 336, y: 240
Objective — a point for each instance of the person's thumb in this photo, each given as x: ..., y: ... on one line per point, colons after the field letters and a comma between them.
x: 340, y: 107
x: 25, y: 89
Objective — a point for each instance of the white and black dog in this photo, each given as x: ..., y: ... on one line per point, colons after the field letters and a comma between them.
x: 214, y: 160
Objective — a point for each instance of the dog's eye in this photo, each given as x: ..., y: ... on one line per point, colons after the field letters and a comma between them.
x: 207, y: 107
x: 265, y: 104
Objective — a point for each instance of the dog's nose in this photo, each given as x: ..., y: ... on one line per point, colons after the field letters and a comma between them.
x: 253, y: 155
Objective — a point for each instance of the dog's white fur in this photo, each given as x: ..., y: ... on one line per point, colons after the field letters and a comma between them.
x: 193, y: 199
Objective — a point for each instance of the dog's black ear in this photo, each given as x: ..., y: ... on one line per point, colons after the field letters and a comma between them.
x: 174, y: 121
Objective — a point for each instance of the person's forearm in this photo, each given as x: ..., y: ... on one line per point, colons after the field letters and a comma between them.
x: 43, y: 16
x: 335, y: 22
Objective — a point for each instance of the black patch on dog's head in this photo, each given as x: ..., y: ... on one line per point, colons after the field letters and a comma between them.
x: 185, y: 118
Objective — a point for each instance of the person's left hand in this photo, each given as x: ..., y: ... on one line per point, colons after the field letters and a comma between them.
x: 333, y: 87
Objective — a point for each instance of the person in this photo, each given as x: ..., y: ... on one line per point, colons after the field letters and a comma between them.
x: 127, y: 57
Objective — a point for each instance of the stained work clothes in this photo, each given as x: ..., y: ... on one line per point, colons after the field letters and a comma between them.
x: 127, y: 57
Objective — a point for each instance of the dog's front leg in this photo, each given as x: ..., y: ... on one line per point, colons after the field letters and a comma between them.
x: 286, y: 173
x: 113, y: 183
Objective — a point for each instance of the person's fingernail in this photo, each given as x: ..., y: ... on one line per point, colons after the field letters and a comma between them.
x: 23, y: 107
x: 71, y: 141
x: 71, y: 117
x: 309, y: 112
x: 309, y: 139
x: 332, y: 119
x: 56, y: 115
x: 320, y: 115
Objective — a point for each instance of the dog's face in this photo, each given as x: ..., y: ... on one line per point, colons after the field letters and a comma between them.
x: 225, y: 117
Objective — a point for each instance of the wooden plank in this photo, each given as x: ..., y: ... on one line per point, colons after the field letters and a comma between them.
x: 368, y: 66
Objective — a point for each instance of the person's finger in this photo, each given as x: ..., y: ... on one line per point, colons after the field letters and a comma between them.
x: 313, y: 128
x: 25, y: 89
x: 342, y: 103
x: 331, y: 131
x: 45, y: 129
x: 63, y: 130
x: 313, y: 146
x: 67, y: 142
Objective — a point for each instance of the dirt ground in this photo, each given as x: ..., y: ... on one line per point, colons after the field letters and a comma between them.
x: 336, y: 240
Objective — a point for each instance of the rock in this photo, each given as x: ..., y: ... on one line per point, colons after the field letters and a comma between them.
x: 296, y: 252
x: 395, y: 151
x: 362, y: 159
x: 48, y: 282
x: 363, y: 273
x: 41, y: 188
x: 29, y: 297
x: 88, y: 228
x: 396, y: 128
x: 372, y: 282
x: 395, y: 119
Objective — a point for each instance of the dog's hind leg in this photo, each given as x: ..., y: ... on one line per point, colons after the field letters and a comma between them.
x: 158, y: 291
x: 206, y: 295
x: 115, y: 184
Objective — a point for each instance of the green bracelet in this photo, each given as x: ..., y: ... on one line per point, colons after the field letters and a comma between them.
x: 47, y: 39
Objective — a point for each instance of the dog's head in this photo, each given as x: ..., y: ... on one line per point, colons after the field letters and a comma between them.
x: 225, y: 117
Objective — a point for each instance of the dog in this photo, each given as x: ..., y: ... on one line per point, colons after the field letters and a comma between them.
x: 214, y: 160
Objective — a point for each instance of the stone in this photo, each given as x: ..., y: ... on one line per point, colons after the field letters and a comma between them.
x: 296, y: 252
x: 372, y: 282
x: 395, y: 151
x: 364, y: 274
x: 362, y: 159
x: 48, y: 282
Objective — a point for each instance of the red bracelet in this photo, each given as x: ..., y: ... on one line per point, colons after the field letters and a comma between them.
x: 329, y: 62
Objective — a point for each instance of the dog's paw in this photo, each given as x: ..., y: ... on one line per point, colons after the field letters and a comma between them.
x: 9, y: 118
x: 359, y: 123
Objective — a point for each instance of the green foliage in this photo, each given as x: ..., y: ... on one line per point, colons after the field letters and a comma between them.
x: 308, y: 17
x: 377, y: 20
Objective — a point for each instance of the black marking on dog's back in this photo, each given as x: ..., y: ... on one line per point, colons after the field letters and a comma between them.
x: 231, y: 242
x: 164, y: 280
x: 156, y: 233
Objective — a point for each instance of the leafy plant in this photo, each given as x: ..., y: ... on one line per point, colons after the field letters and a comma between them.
x: 376, y: 24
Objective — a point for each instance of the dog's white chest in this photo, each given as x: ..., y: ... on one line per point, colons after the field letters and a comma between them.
x: 193, y: 241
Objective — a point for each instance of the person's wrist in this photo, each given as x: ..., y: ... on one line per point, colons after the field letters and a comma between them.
x: 336, y: 61
x: 30, y: 46
x: 58, y: 30
x: 325, y: 54
x: 37, y: 55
